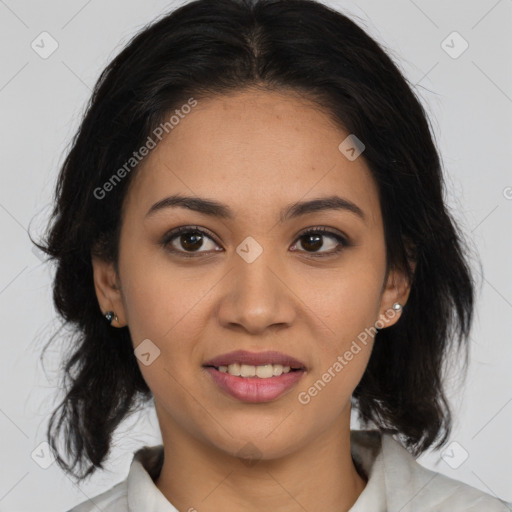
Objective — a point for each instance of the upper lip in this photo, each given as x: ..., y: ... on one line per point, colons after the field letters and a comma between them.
x: 255, y: 359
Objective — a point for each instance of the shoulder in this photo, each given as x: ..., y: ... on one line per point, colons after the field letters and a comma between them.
x: 113, y: 500
x: 412, y: 487
x: 137, y: 491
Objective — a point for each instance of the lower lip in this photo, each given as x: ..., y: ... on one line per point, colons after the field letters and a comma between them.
x: 254, y: 389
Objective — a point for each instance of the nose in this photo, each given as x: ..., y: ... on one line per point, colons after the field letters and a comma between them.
x: 259, y: 295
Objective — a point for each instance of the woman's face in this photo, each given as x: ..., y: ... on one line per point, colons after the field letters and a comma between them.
x: 252, y: 282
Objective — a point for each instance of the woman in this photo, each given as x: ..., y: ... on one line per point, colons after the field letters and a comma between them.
x: 250, y: 231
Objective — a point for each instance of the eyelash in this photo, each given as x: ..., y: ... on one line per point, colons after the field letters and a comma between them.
x: 170, y: 236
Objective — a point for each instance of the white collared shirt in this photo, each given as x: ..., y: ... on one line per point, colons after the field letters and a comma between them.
x: 396, y: 483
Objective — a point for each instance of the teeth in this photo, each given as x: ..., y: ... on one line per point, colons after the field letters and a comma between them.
x: 234, y: 369
x: 247, y: 371
x: 263, y: 372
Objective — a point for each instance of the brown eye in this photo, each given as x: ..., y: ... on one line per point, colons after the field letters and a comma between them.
x: 313, y: 240
x: 188, y: 240
x: 191, y: 241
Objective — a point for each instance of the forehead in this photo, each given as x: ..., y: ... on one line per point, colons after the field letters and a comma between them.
x: 254, y: 150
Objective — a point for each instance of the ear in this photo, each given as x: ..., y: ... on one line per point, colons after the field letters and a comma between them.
x: 396, y: 290
x: 108, y: 290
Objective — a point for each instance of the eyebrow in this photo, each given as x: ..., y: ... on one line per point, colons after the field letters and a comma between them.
x: 215, y: 209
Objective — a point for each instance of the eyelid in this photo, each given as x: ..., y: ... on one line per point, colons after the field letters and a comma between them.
x: 191, y: 228
x: 325, y: 231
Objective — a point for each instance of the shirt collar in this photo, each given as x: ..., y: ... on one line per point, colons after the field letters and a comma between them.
x: 367, y: 453
x: 143, y: 494
x: 395, y: 480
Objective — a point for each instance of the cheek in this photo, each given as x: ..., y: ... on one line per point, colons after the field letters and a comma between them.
x: 159, y: 300
x: 341, y: 356
x: 347, y: 300
x: 349, y: 308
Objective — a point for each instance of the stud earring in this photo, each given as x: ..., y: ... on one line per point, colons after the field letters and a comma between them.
x: 397, y: 306
x: 110, y: 315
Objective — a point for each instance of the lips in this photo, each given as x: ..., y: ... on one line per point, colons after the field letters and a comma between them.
x: 255, y: 359
x: 248, y: 387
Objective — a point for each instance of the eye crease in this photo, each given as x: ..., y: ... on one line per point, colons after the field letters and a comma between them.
x: 192, y: 238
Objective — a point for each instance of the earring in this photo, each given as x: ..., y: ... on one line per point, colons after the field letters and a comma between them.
x: 397, y: 306
x: 110, y: 315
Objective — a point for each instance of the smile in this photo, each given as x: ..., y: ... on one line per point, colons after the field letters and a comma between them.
x: 255, y: 377
x: 263, y: 371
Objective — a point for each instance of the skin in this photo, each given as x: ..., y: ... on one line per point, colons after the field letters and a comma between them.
x: 256, y: 151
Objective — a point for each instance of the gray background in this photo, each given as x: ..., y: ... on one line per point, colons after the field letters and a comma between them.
x: 469, y: 99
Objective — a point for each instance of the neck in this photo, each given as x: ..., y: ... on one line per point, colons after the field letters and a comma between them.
x: 319, y: 476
